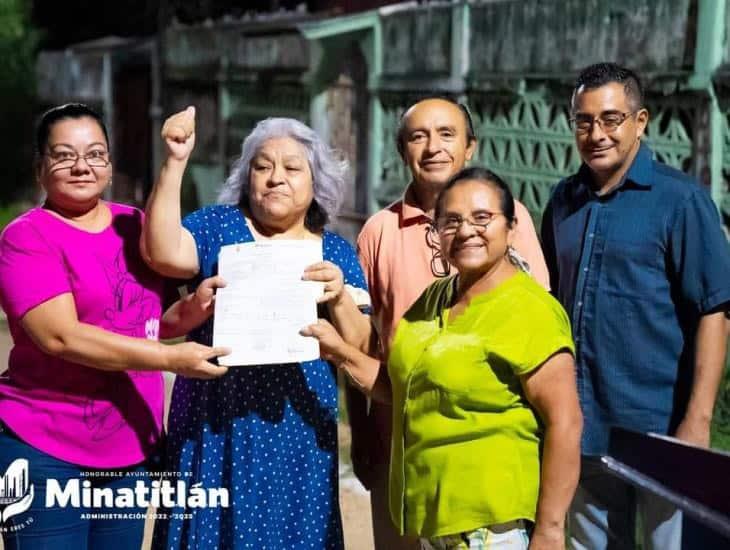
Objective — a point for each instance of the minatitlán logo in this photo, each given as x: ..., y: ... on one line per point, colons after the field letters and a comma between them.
x: 16, y: 490
x: 16, y: 496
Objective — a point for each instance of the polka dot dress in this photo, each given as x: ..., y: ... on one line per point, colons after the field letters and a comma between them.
x: 267, y: 433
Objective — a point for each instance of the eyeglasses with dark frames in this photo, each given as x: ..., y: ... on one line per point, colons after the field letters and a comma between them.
x: 439, y: 266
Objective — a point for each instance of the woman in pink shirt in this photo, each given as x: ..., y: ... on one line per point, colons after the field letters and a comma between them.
x: 81, y: 403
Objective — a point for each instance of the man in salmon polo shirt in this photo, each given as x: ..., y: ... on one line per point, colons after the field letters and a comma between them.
x: 400, y: 256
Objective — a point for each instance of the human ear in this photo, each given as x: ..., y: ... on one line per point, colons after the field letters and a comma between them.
x: 471, y: 147
x: 642, y: 120
x: 512, y: 231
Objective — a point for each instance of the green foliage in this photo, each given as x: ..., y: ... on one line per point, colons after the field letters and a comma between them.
x: 18, y: 43
x: 11, y: 211
x: 17, y: 46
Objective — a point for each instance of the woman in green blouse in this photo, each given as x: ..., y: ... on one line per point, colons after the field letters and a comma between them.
x: 486, y: 420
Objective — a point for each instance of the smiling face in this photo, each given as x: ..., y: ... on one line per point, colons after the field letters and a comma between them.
x: 435, y: 144
x: 608, y: 153
x: 280, y: 183
x: 75, y: 185
x: 472, y: 249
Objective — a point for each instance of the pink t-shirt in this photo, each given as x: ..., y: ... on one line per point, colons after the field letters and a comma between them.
x: 79, y: 414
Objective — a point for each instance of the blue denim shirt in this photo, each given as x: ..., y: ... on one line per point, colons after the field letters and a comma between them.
x: 635, y: 269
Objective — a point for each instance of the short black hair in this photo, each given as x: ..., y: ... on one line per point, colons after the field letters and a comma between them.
x: 600, y: 74
x: 468, y: 122
x: 63, y: 112
x: 486, y: 176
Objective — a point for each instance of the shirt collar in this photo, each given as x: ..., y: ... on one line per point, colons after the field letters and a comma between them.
x: 639, y: 173
x: 411, y: 211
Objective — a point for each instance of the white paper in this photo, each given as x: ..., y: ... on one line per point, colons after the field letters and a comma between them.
x: 265, y: 304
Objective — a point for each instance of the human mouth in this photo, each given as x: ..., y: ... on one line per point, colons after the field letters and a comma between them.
x: 468, y: 246
x: 434, y: 164
x: 598, y: 151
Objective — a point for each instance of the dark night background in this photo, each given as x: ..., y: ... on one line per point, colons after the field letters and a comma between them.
x: 28, y: 26
x: 68, y: 22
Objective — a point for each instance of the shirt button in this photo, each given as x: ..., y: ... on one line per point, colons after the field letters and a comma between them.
x: 585, y: 270
x: 580, y: 304
x: 591, y: 235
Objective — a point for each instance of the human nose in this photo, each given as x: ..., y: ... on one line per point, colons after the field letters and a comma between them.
x: 433, y: 143
x: 277, y: 175
x: 596, y: 133
x: 465, y: 223
x: 79, y: 166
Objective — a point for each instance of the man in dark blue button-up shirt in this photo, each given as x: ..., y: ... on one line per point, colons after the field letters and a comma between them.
x: 638, y: 259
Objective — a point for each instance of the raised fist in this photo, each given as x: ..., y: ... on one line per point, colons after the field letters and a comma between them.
x: 178, y: 133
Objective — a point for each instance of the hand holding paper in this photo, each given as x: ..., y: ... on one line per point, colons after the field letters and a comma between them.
x: 266, y: 302
x: 328, y: 274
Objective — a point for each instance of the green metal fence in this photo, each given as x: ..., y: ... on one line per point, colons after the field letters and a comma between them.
x: 511, y: 61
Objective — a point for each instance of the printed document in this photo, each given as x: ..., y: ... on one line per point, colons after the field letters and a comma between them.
x: 265, y: 304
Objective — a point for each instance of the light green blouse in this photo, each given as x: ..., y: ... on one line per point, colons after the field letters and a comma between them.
x: 465, y: 448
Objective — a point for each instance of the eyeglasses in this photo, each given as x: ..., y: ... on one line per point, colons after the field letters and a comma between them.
x: 448, y: 225
x: 439, y: 266
x: 608, y: 122
x: 97, y: 158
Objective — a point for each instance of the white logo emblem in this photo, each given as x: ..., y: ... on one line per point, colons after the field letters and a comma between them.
x: 152, y: 329
x: 16, y: 491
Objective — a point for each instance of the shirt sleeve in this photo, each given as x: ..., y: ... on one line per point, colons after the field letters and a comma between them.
x: 527, y: 244
x: 198, y: 223
x: 365, y: 254
x: 700, y: 254
x: 549, y: 334
x: 31, y: 271
x: 352, y: 272
x: 533, y: 328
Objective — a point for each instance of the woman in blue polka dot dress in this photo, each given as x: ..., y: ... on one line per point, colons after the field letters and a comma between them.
x: 268, y: 433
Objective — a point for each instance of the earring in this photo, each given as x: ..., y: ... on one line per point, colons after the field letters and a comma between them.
x: 516, y: 259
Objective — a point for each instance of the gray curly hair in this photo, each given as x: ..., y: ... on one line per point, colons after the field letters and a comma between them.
x: 328, y: 166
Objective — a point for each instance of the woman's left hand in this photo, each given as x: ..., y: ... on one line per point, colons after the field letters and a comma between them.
x: 329, y: 274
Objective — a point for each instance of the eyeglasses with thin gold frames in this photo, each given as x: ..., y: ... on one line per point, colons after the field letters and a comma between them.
x: 608, y: 122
